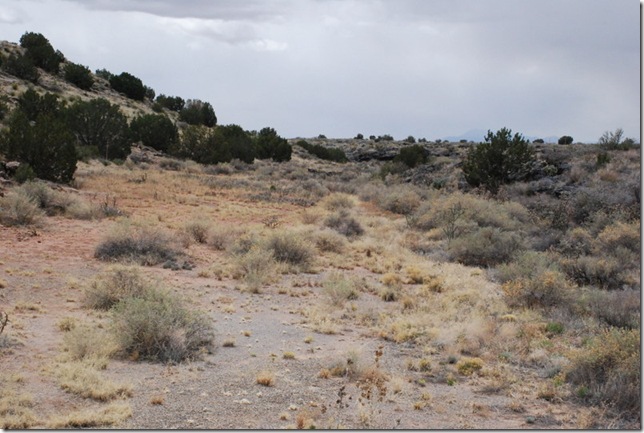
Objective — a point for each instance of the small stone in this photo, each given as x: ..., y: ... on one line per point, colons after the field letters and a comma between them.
x: 244, y: 401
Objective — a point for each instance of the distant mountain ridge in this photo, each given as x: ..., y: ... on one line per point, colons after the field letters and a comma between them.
x: 478, y: 135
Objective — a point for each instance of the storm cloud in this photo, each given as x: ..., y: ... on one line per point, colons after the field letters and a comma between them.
x: 428, y: 68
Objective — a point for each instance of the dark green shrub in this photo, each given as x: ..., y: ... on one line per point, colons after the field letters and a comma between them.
x: 609, y: 368
x: 79, y: 75
x: 24, y: 173
x: 412, y: 156
x: 41, y: 52
x: 239, y: 143
x: 196, y: 112
x: 34, y: 105
x: 156, y: 131
x: 271, y: 145
x: 502, y: 159
x: 129, y: 85
x: 172, y: 103
x: 104, y: 73
x: 99, y: 124
x: 149, y: 93
x: 359, y: 137
x: 410, y: 139
x: 322, y: 152
x: 21, y: 66
x: 47, y: 146
x: 566, y: 139
x: 158, y: 327
x: 203, y: 145
x: 538, y: 141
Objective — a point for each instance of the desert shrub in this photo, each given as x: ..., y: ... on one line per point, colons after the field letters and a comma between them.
x: 460, y: 213
x: 291, y: 248
x: 140, y: 245
x: 576, y: 242
x: 97, y: 123
x: 565, y: 139
x: 618, y: 308
x: 487, y: 246
x: 412, y: 156
x: 329, y: 241
x: 620, y: 235
x: 220, y: 238
x: 243, y: 244
x: 155, y: 130
x: 79, y: 75
x: 392, y: 168
x: 615, y: 141
x: 158, y: 327
x: 527, y: 265
x: 609, y: 370
x: 402, y: 201
x: 129, y: 85
x: 54, y: 202
x: 257, y: 268
x: 547, y: 288
x: 116, y: 284
x: 338, y: 289
x: 41, y: 52
x: 198, y: 230
x: 21, y: 66
x: 336, y: 201
x: 17, y: 209
x: 600, y: 271
x: 343, y: 223
x: 197, y: 112
x: 501, y: 159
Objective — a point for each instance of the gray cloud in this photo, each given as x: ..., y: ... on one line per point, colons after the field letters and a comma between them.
x: 423, y: 67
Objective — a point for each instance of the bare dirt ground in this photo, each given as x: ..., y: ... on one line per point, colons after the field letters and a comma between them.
x: 44, y: 271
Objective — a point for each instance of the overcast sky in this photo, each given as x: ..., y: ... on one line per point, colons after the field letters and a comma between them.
x: 427, y: 68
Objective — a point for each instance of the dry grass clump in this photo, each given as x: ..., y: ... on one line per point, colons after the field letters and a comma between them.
x: 221, y: 238
x: 84, y: 342
x: 338, y: 289
x: 291, y: 249
x: 337, y: 201
x: 343, y: 223
x: 117, y: 283
x: 54, y: 202
x: 467, y: 366
x: 608, y: 369
x: 158, y: 327
x: 256, y: 267
x: 110, y: 415
x: 265, y: 378
x: 19, y: 210
x: 66, y: 324
x: 83, y: 379
x: 198, y: 230
x: 16, y: 409
x: 330, y: 241
x: 135, y: 244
